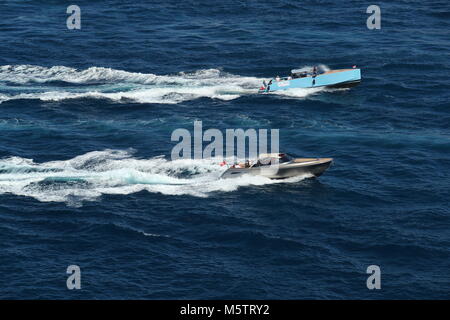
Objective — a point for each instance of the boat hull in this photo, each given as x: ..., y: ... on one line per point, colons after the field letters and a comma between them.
x: 345, y: 78
x: 315, y: 169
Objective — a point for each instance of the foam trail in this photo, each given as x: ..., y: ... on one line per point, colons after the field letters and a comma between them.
x: 89, y: 176
x: 298, y: 92
x: 35, y: 82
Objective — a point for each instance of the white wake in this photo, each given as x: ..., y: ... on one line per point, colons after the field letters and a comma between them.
x: 89, y: 176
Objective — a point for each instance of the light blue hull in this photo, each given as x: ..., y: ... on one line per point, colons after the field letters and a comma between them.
x: 335, y: 78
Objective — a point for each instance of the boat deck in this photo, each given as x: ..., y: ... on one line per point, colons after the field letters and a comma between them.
x: 319, y: 160
x: 334, y: 71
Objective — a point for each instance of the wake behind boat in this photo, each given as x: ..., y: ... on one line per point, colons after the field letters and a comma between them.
x: 287, y: 167
x: 314, y: 78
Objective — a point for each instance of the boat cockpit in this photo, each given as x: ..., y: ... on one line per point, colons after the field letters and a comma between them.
x: 265, y: 159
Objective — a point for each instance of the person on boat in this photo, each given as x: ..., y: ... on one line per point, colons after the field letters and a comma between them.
x: 277, y: 78
x: 314, y: 71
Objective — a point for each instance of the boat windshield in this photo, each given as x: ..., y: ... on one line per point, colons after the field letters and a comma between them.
x: 263, y: 162
x: 306, y: 72
x: 284, y: 158
x: 267, y: 161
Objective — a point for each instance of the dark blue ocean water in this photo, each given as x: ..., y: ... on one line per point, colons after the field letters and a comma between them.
x: 86, y: 114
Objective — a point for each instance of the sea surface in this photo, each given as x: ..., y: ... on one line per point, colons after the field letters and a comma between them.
x: 86, y: 177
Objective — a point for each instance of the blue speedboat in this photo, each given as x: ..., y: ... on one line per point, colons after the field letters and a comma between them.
x: 314, y: 78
